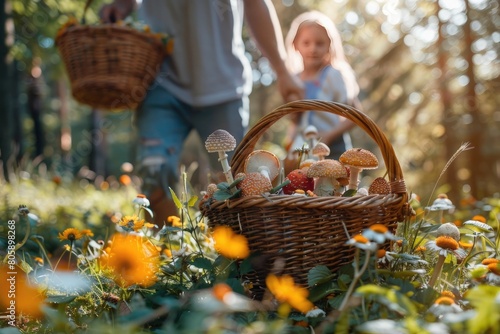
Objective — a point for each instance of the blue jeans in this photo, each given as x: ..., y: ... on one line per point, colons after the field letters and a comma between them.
x: 164, y: 122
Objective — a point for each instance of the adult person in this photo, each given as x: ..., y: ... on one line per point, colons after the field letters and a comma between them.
x: 204, y: 85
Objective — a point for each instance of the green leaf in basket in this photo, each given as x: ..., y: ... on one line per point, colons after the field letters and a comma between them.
x: 279, y: 186
x: 235, y: 182
x: 349, y: 193
x: 318, y: 274
x: 178, y: 203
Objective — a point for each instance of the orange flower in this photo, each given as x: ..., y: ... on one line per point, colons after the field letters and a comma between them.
x: 444, y: 301
x: 230, y: 244
x: 175, y: 221
x: 125, y: 179
x: 285, y: 291
x: 494, y: 267
x: 28, y: 300
x: 132, y: 260
x: 446, y: 242
x: 479, y: 218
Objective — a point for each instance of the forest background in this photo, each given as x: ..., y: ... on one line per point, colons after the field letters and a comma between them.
x: 428, y: 70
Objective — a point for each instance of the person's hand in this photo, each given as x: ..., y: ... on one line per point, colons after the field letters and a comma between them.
x: 116, y: 11
x: 290, y: 87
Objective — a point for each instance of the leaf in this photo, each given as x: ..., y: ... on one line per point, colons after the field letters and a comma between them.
x: 279, y: 186
x: 322, y: 290
x: 349, y: 193
x: 202, y: 263
x: 246, y: 266
x: 61, y: 299
x: 178, y: 203
x: 318, y: 274
x: 343, y: 282
x: 192, y: 201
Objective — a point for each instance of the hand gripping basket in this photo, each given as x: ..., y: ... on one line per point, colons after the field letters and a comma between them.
x: 308, y: 231
x: 110, y: 66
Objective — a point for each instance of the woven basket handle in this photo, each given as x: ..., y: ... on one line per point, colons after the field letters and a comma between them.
x: 248, y: 143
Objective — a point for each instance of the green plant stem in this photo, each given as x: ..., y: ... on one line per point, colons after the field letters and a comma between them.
x: 358, y: 272
x: 437, y: 270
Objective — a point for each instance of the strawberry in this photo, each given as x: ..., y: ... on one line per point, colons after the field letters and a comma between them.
x: 298, y: 180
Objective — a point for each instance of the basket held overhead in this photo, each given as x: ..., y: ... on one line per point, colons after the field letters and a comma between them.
x: 308, y: 231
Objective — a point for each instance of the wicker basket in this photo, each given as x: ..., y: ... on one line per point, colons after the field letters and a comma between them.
x: 308, y: 231
x: 110, y: 66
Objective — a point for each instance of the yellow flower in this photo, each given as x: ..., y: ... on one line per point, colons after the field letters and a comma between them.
x: 285, y: 291
x: 132, y: 260
x: 87, y: 233
x: 70, y: 234
x: 175, y: 221
x: 130, y: 223
x: 230, y: 244
x: 149, y: 225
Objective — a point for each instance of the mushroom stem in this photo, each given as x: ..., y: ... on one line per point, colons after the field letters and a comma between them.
x: 353, y: 179
x: 437, y: 270
x: 225, y: 167
x: 324, y: 186
x: 265, y: 171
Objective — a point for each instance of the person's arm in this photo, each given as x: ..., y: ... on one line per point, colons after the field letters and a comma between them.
x: 264, y: 26
x: 117, y: 10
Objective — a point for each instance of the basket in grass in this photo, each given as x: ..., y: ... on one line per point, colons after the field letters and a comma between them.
x: 308, y: 231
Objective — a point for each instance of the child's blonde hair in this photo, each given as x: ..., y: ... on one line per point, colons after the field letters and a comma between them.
x: 337, y: 56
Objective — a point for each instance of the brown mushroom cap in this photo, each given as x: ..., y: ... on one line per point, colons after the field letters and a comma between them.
x: 327, y: 168
x: 254, y: 184
x: 360, y: 158
x: 263, y: 160
x: 379, y: 186
x: 321, y: 150
x: 220, y: 140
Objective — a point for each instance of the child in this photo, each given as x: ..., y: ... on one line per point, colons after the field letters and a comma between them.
x: 317, y: 57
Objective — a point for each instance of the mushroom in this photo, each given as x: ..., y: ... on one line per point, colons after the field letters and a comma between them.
x: 298, y: 180
x: 254, y: 183
x: 306, y: 163
x: 310, y: 134
x: 321, y: 150
x: 221, y: 141
x: 263, y: 162
x: 327, y: 172
x: 379, y: 186
x: 358, y: 159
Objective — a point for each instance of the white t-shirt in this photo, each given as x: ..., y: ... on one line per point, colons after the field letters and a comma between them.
x: 208, y: 65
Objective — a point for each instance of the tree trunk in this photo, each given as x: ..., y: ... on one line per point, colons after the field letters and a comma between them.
x: 5, y: 93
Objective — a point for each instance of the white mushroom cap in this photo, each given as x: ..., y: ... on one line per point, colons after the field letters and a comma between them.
x: 321, y: 150
x: 220, y: 140
x: 448, y: 230
x: 264, y: 162
x: 310, y: 132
